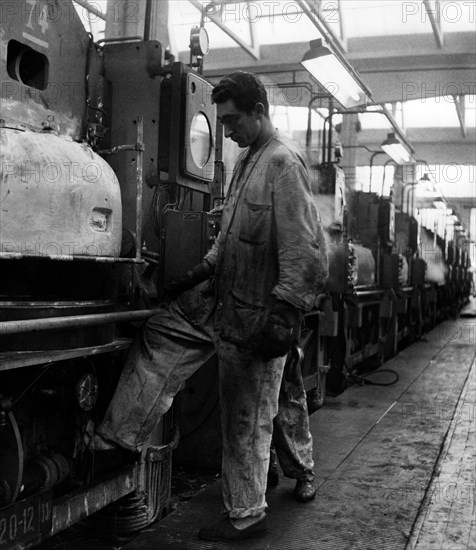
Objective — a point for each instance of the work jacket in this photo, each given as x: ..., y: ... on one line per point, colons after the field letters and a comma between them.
x: 271, y: 246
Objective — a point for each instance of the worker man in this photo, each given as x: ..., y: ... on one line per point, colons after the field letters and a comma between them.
x: 268, y: 265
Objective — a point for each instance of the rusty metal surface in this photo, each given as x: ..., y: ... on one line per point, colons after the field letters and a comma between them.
x: 71, y: 508
x: 15, y: 359
x: 72, y: 321
x: 71, y: 205
x: 375, y: 450
x: 74, y: 506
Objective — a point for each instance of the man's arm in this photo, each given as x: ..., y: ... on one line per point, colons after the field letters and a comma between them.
x: 301, y: 257
x: 300, y: 239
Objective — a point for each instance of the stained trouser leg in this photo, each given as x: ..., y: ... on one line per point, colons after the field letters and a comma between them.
x: 166, y: 352
x: 249, y: 390
x: 292, y: 438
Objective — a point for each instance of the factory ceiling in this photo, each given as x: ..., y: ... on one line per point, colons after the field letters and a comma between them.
x: 418, y: 58
x: 401, y: 49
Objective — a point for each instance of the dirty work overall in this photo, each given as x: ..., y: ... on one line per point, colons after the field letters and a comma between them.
x: 261, y: 255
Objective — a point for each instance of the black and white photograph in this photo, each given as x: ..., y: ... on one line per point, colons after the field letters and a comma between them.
x: 237, y: 274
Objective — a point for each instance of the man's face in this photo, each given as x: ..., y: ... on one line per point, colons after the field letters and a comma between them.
x: 242, y: 128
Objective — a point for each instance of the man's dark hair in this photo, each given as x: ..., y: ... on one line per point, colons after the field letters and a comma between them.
x: 245, y: 89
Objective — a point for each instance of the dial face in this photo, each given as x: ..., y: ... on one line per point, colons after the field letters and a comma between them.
x: 200, y: 139
x: 204, y: 42
x: 87, y: 391
x: 199, y: 42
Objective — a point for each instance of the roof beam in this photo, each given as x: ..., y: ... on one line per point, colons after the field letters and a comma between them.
x: 91, y: 8
x: 434, y: 15
x: 254, y: 36
x: 460, y: 110
x: 321, y: 25
x: 392, y: 75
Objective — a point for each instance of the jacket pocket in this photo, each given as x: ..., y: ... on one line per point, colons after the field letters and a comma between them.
x: 242, y: 323
x: 255, y: 223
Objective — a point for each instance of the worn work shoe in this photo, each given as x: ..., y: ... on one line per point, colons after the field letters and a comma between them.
x: 304, y: 490
x: 225, y: 531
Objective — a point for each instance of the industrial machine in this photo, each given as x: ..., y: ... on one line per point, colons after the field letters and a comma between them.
x: 391, y: 279
x: 107, y: 174
x: 110, y: 163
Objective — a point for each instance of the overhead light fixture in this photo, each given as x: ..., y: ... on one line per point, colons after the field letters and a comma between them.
x: 395, y: 149
x: 428, y: 185
x: 335, y: 74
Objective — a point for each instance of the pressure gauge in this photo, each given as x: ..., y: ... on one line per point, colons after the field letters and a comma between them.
x: 199, y: 43
x: 87, y: 391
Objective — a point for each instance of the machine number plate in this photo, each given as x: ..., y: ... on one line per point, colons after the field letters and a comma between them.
x: 25, y: 520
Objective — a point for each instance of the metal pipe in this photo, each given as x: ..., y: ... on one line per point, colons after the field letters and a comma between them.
x: 408, y: 200
x: 76, y: 505
x: 365, y: 293
x: 324, y: 139
x: 403, y: 196
x: 119, y: 149
x: 438, y: 34
x: 93, y: 9
x: 72, y: 321
x: 309, y: 125
x: 384, y: 174
x: 329, y: 150
x: 375, y: 153
x: 147, y: 20
x: 325, y: 30
x: 459, y: 102
x: 119, y: 39
x: 139, y: 185
x: 65, y: 257
x: 309, y: 116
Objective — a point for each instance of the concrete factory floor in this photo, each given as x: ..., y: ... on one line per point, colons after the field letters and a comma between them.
x: 395, y: 464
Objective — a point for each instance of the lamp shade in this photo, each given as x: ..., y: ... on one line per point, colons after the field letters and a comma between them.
x: 335, y: 74
x: 395, y: 149
x: 425, y: 177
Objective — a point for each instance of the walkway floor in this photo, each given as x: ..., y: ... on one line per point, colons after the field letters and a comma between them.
x: 395, y: 464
